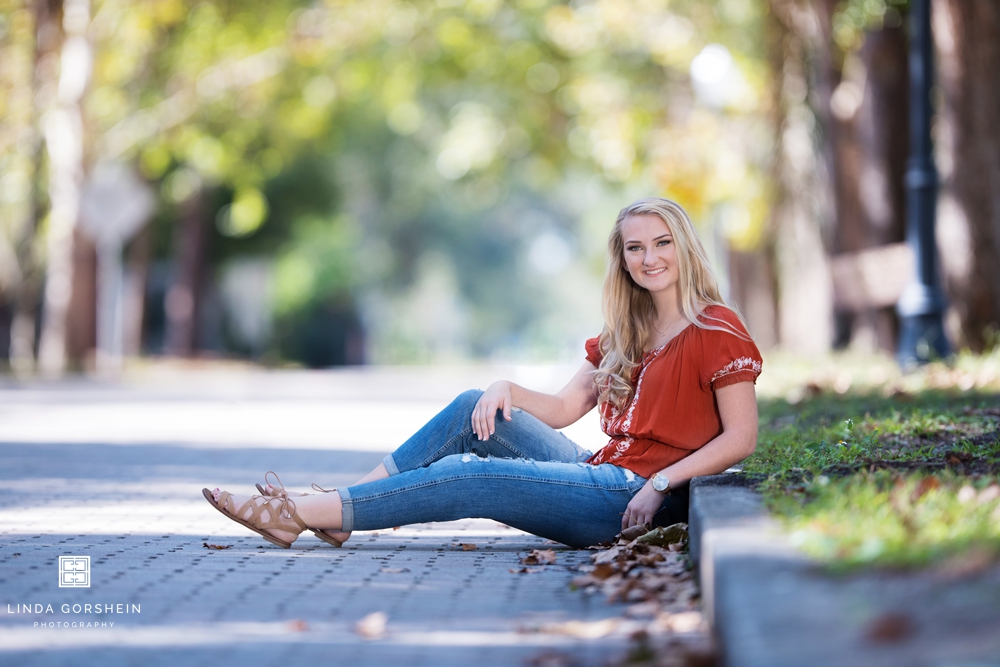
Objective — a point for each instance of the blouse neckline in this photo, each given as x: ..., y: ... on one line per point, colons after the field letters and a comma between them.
x: 690, y: 325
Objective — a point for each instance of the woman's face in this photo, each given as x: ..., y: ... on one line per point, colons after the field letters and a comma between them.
x: 650, y: 253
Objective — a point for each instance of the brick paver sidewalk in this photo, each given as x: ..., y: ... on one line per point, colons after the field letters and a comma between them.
x: 130, y: 501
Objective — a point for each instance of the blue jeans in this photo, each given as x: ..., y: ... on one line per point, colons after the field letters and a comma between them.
x: 527, y: 475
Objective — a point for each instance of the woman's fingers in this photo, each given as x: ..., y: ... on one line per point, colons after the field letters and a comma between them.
x: 477, y: 419
x: 483, y: 419
x: 484, y: 415
x: 491, y: 416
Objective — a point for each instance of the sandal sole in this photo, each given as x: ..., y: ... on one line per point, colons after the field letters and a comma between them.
x: 267, y: 536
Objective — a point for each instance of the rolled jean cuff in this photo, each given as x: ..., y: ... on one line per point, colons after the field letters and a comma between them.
x: 390, y: 465
x: 346, y: 511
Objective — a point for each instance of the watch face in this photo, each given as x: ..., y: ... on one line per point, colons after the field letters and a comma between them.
x: 661, y: 483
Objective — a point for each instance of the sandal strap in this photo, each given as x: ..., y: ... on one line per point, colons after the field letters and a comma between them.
x: 278, y: 516
x: 279, y: 487
x: 319, y: 488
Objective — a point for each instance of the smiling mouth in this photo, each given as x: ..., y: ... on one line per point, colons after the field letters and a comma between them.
x: 654, y: 272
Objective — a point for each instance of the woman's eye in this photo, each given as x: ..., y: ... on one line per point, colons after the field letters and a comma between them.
x: 633, y: 248
x: 665, y: 242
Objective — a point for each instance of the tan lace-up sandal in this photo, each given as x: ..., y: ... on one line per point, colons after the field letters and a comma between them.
x: 279, y: 491
x: 281, y: 512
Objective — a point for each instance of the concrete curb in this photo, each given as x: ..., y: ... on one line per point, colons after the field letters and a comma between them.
x: 772, y: 607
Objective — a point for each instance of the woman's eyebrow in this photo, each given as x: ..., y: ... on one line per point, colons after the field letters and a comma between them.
x: 661, y: 236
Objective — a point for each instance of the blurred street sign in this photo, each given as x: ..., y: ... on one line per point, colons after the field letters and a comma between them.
x: 872, y: 278
x: 114, y: 206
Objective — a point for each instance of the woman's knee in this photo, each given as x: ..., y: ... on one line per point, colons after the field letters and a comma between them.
x: 466, y: 401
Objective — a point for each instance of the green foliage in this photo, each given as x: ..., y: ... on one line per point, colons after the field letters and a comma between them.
x: 877, y: 475
x: 855, y: 17
x: 316, y: 265
x: 441, y: 127
x: 888, y: 518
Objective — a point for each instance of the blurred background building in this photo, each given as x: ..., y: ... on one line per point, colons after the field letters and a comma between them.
x: 381, y: 181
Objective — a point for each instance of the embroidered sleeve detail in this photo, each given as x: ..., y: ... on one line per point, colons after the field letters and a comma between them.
x: 738, y: 366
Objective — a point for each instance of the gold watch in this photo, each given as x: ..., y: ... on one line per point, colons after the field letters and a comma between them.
x: 660, y: 482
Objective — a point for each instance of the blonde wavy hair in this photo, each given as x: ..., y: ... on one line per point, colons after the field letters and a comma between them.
x: 628, y: 308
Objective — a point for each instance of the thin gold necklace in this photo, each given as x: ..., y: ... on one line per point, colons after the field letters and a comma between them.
x: 667, y: 328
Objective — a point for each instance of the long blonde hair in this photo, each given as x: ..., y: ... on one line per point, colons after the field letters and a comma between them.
x: 628, y: 308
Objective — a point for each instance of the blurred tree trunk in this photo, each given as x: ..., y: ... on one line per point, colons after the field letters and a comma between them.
x: 137, y: 256
x: 81, y: 312
x: 967, y: 35
x: 849, y: 196
x: 868, y: 119
x: 183, y: 297
x: 805, y: 300
x: 63, y: 128
x: 38, y: 86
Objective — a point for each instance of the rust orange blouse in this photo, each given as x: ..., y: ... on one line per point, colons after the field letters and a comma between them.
x: 673, y: 411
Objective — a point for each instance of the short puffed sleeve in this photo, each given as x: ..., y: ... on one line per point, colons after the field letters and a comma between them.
x: 728, y: 356
x: 593, y: 346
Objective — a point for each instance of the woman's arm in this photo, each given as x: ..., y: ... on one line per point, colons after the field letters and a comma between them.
x: 573, y: 401
x: 738, y: 411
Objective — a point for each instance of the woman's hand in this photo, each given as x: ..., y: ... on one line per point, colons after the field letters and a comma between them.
x: 643, y: 506
x: 496, y: 397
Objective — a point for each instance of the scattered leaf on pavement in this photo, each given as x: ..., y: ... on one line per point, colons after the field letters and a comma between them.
x: 216, y: 546
x: 890, y: 627
x: 539, y: 557
x: 664, y: 537
x: 372, y: 626
x: 630, y: 534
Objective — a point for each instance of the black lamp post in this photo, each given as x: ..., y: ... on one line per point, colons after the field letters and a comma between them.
x: 921, y: 306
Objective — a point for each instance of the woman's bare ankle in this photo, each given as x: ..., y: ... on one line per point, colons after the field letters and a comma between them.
x: 378, y: 473
x: 321, y: 512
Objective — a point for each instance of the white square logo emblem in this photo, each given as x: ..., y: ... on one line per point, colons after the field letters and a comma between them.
x: 74, y: 571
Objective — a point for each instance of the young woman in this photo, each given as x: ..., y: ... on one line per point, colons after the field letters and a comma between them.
x: 672, y: 372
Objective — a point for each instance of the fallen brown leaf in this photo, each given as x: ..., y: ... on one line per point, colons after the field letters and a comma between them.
x: 608, y: 555
x: 664, y: 537
x: 298, y: 625
x: 603, y: 571
x: 468, y: 547
x: 372, y: 626
x: 630, y: 534
x: 890, y: 627
x: 923, y: 486
x: 540, y: 557
x: 216, y: 546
